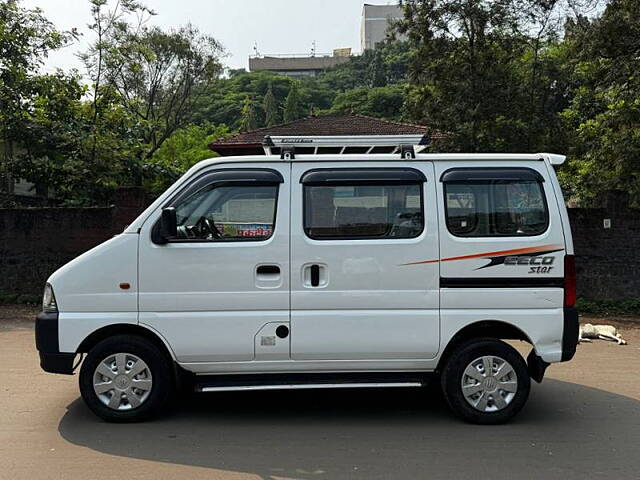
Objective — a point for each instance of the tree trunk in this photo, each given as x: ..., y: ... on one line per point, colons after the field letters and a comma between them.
x: 6, y: 169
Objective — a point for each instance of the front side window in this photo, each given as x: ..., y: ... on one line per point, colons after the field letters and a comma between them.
x: 363, y: 211
x: 484, y: 208
x: 227, y: 213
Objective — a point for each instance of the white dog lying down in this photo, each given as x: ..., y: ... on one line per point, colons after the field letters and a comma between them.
x: 603, y: 332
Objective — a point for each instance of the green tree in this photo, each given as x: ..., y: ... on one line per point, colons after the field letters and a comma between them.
x: 378, y: 73
x: 248, y: 116
x: 387, y: 64
x: 105, y: 25
x: 26, y: 37
x: 465, y: 56
x: 51, y: 135
x: 183, y: 149
x: 382, y: 102
x: 488, y: 71
x: 157, y: 76
x: 292, y: 107
x: 223, y: 101
x: 58, y: 141
x: 603, y: 60
x: 270, y: 106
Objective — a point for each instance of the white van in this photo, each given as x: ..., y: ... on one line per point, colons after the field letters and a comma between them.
x: 314, y: 267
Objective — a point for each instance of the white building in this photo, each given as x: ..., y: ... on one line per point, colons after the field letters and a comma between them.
x: 299, y: 66
x: 375, y: 23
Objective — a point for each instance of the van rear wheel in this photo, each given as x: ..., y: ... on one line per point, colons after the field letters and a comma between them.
x: 485, y: 381
x: 126, y: 379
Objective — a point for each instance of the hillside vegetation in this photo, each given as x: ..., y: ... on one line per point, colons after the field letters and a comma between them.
x: 506, y: 75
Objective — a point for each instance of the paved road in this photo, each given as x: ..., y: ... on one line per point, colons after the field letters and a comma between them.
x: 582, y: 422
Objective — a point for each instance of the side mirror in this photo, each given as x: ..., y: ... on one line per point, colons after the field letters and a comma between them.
x: 168, y: 224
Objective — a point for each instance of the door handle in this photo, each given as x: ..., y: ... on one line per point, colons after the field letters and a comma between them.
x: 268, y: 276
x: 268, y: 270
x: 315, y: 276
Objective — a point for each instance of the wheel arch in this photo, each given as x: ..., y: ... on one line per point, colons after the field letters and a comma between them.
x: 497, y: 329
x: 100, y: 334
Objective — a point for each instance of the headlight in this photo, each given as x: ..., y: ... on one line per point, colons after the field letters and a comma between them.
x: 49, y: 304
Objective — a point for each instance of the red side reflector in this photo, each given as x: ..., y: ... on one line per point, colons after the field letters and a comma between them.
x: 569, y: 281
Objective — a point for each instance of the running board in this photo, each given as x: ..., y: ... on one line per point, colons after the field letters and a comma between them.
x: 309, y: 386
x: 305, y: 382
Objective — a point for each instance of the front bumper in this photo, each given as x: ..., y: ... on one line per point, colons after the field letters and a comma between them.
x: 570, y: 333
x: 51, y: 359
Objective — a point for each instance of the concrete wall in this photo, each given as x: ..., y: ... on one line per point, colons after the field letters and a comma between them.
x: 36, y: 241
x: 607, y: 259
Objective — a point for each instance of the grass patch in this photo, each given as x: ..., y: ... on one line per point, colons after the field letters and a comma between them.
x: 629, y: 306
x: 7, y: 298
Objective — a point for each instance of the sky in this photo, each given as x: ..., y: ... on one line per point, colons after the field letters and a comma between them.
x: 276, y: 26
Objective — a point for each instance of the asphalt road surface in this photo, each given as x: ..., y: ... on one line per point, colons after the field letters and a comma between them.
x: 582, y: 422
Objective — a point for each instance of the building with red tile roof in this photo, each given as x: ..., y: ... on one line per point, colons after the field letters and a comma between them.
x: 337, y: 124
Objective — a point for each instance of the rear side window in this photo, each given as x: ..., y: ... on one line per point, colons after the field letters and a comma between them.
x: 370, y: 207
x: 500, y: 202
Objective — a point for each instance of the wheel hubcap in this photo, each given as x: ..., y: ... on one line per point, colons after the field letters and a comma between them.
x: 122, y: 381
x: 489, y: 384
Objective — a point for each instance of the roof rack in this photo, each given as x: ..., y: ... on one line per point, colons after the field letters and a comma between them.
x: 288, y: 146
x: 407, y: 146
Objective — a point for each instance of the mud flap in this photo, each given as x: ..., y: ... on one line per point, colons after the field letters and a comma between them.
x: 537, y: 366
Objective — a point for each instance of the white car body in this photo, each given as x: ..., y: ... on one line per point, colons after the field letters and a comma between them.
x: 382, y: 305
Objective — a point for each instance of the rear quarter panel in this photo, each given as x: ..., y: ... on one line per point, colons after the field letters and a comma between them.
x: 477, y: 285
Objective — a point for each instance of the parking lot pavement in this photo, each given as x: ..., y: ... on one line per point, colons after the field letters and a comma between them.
x: 582, y: 422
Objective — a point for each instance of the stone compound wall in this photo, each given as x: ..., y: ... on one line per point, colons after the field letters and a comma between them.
x: 36, y: 241
x: 607, y: 259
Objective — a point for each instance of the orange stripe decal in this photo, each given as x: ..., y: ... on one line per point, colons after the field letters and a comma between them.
x: 498, y: 253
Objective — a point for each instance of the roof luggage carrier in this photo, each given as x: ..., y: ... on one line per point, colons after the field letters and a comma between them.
x: 407, y: 146
x: 288, y: 146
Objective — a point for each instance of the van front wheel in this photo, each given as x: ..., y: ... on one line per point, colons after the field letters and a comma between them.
x: 485, y: 381
x: 126, y: 379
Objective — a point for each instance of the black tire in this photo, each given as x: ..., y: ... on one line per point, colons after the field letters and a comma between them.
x: 159, y: 364
x: 452, y: 377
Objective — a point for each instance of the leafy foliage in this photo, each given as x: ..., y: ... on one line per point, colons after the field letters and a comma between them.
x: 156, y: 75
x: 270, y: 106
x: 516, y: 75
x: 83, y: 141
x: 292, y: 107
x: 604, y: 112
x: 52, y: 134
x: 248, y: 116
x: 386, y: 102
x: 26, y: 37
x: 477, y: 73
x: 223, y: 103
x: 499, y: 75
x: 630, y: 306
x: 186, y: 147
x: 388, y: 64
x: 339, y: 89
